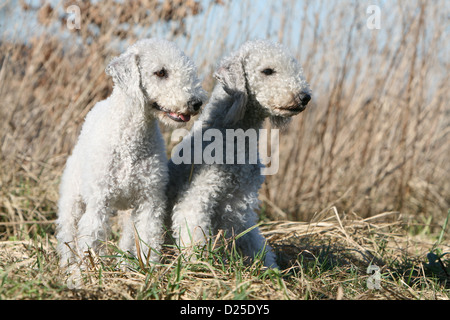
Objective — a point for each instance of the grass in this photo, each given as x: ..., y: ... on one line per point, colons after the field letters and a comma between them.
x: 322, y: 260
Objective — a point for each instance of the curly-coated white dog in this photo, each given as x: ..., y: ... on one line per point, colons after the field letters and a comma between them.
x: 119, y: 161
x: 258, y: 81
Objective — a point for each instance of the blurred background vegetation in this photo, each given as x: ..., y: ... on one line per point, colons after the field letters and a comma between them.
x: 375, y: 137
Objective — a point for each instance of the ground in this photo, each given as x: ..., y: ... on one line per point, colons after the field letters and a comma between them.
x: 328, y: 259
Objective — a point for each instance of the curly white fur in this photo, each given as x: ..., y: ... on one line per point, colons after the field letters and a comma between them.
x: 258, y: 81
x: 119, y: 161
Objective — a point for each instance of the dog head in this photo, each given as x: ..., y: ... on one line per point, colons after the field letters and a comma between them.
x: 263, y: 72
x: 157, y: 75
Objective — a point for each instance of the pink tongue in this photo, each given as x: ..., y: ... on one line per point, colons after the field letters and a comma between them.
x: 185, y: 118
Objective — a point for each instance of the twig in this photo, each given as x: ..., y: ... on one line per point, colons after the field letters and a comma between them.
x: 14, y: 223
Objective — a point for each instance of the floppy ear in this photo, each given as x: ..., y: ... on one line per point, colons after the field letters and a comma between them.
x: 125, y: 73
x: 231, y: 75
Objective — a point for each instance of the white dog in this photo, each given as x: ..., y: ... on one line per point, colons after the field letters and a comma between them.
x: 119, y: 161
x: 258, y: 81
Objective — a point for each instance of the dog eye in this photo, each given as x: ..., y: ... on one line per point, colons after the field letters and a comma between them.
x: 268, y: 71
x: 161, y: 73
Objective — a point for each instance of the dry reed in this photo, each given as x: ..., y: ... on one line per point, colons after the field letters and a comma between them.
x: 374, y: 138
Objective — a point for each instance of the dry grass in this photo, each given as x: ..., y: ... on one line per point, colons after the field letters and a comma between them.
x: 322, y: 260
x: 374, y: 139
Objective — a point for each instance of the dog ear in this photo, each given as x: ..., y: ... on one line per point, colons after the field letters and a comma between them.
x: 231, y: 75
x: 126, y: 74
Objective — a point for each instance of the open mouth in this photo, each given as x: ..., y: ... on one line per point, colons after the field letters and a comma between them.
x: 293, y: 109
x: 179, y: 117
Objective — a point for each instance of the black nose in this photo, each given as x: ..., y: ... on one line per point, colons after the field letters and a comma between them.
x: 304, y: 98
x: 195, y: 104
